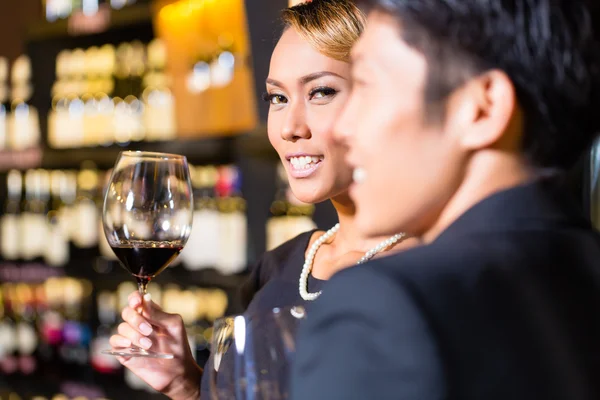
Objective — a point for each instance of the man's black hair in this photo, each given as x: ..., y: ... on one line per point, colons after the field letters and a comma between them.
x: 546, y: 47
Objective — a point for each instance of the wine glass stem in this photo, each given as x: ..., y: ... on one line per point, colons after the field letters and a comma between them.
x: 142, y: 289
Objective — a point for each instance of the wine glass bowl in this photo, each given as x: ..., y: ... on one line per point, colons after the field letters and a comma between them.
x: 147, y: 216
x: 251, y: 355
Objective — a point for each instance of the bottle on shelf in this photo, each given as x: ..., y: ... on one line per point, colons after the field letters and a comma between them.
x: 8, y: 338
x: 128, y: 108
x: 86, y: 209
x: 57, y: 243
x: 76, y: 330
x: 159, y: 103
x: 26, y: 327
x: 233, y: 223
x: 105, y: 250
x: 107, y: 317
x: 289, y: 216
x: 202, y: 248
x: 51, y: 323
x: 23, y: 122
x: 57, y: 9
x: 10, y: 244
x: 4, y: 101
x: 33, y: 227
x: 118, y: 4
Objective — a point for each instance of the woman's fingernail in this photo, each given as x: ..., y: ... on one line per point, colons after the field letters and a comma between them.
x: 145, y: 343
x: 145, y: 328
x: 147, y: 297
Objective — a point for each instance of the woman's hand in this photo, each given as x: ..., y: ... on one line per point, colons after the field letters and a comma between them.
x: 154, y: 329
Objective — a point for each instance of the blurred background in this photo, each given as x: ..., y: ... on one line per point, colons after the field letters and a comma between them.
x: 82, y: 80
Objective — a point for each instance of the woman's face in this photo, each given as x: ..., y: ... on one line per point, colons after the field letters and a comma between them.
x: 306, y: 91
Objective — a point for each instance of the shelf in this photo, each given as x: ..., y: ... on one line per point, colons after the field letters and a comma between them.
x: 105, y: 20
x: 216, y: 150
x: 112, y: 274
x: 20, y: 159
x: 210, y: 150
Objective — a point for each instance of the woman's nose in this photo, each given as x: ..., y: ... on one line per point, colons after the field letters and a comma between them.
x: 295, y: 126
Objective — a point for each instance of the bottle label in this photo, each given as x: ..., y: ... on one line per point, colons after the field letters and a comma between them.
x: 203, y: 247
x: 26, y: 338
x: 57, y: 247
x: 87, y: 228
x: 8, y: 341
x: 233, y: 243
x: 34, y: 232
x: 9, y: 239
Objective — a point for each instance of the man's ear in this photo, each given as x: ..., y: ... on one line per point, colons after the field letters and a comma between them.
x: 482, y: 110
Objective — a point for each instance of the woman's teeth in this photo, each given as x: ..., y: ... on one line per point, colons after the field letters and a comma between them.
x: 305, y: 162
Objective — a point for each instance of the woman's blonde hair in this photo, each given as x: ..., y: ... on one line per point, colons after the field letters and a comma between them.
x: 330, y: 26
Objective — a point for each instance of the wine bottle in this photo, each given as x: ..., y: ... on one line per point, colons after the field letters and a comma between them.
x: 57, y: 9
x: 51, y: 323
x: 276, y: 224
x: 290, y: 217
x: 86, y: 212
x: 202, y: 249
x: 8, y: 334
x: 4, y: 101
x: 26, y: 332
x: 76, y: 332
x: 10, y: 236
x: 24, y: 125
x: 159, y: 102
x: 233, y: 222
x: 57, y: 243
x: 107, y: 316
x: 33, y: 229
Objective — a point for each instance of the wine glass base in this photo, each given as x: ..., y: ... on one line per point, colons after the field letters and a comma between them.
x: 136, y: 352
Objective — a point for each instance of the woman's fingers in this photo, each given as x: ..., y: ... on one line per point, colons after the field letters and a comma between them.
x: 119, y: 341
x: 134, y: 336
x: 136, y: 321
x: 134, y: 299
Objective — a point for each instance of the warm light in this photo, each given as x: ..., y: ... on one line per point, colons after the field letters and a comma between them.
x: 168, y: 12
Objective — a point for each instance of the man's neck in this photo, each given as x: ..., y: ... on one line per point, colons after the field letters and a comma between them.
x: 486, y: 174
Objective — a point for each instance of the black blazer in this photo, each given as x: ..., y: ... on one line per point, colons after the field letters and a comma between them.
x: 504, y: 305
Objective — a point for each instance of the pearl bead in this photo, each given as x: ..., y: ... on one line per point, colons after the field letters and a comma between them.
x: 308, y: 262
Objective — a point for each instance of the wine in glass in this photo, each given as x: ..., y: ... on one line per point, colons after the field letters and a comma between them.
x: 147, y: 218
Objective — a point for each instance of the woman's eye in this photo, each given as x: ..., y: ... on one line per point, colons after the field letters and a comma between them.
x: 274, y: 98
x: 321, y: 93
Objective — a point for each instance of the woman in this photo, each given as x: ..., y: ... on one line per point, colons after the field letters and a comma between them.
x: 308, y: 83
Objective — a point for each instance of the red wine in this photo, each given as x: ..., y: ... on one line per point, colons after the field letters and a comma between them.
x: 145, y: 259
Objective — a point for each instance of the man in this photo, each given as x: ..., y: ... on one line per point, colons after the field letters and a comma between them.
x: 463, y: 115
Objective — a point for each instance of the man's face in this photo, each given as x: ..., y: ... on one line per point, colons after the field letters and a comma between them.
x: 409, y: 168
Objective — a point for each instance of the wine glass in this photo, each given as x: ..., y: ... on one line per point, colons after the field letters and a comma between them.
x: 147, y: 218
x: 251, y: 355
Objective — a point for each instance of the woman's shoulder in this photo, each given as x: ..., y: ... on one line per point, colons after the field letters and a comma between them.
x: 281, y: 261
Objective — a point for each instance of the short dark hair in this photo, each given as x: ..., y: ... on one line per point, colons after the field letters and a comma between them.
x: 546, y: 47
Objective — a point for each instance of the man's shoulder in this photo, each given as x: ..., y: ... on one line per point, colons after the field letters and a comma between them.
x: 447, y: 267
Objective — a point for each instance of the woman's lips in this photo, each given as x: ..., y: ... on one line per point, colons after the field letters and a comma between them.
x: 304, y: 165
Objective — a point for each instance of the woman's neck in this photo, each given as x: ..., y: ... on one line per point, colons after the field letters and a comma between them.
x: 348, y: 245
x: 349, y: 238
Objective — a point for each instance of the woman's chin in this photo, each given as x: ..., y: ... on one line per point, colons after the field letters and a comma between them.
x: 309, y: 197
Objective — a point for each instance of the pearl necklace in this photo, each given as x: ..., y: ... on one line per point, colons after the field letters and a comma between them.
x: 310, y: 257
